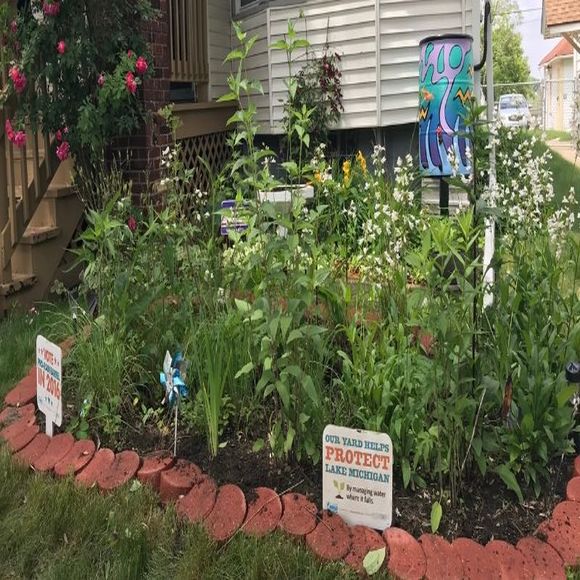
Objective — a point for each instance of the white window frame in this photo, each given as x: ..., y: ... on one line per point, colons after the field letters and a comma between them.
x: 240, y: 9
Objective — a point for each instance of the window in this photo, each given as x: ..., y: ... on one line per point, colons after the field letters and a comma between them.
x: 243, y: 4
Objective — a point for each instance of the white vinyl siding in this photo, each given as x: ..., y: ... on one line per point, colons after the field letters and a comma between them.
x: 379, y: 44
x: 219, y: 40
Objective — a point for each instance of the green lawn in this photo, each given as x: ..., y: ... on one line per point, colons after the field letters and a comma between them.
x: 562, y: 135
x: 566, y: 175
x: 54, y: 530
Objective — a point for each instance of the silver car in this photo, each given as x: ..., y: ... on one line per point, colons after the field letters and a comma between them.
x: 513, y: 111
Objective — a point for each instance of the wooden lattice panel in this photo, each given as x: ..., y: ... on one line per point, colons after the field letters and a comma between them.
x: 213, y: 149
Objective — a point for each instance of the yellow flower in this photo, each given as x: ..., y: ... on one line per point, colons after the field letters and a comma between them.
x: 360, y: 159
x: 346, y: 170
x: 318, y: 177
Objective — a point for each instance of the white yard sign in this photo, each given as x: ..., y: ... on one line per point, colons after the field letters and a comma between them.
x: 357, y: 478
x: 49, y: 381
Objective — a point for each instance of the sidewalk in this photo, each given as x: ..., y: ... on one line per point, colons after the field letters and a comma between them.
x: 565, y: 149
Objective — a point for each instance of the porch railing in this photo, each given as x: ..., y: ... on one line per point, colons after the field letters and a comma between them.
x: 25, y: 175
x: 189, y: 41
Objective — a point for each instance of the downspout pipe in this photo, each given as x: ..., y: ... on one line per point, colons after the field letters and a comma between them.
x: 489, y: 246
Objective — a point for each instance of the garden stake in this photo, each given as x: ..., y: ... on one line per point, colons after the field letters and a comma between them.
x: 573, y: 378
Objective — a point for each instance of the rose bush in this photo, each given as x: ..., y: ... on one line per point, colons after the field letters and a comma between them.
x: 87, y: 60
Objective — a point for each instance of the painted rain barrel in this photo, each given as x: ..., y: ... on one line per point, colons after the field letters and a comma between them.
x: 445, y: 87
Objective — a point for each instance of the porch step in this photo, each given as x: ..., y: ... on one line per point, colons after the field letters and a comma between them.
x: 19, y: 283
x: 38, y: 234
x: 59, y: 191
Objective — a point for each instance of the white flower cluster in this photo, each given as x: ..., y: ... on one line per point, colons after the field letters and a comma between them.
x: 455, y: 169
x: 319, y: 156
x: 561, y: 222
x: 379, y: 159
x: 169, y: 156
x: 240, y: 254
x: 198, y: 207
x: 524, y: 190
x: 387, y: 234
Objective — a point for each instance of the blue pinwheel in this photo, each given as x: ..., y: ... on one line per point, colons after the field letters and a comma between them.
x: 172, y: 379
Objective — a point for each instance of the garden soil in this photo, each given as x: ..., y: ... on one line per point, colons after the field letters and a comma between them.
x: 487, y: 511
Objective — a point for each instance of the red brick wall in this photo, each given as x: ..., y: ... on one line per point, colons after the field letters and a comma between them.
x: 145, y: 146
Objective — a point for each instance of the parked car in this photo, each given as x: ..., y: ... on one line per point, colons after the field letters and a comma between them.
x: 513, y: 111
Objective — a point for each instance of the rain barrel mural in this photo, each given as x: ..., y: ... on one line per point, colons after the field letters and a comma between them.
x: 445, y: 87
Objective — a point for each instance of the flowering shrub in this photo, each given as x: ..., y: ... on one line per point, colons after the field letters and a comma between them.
x: 84, y: 78
x: 394, y: 223
x: 319, y: 89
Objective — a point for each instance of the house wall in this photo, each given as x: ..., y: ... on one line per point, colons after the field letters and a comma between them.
x: 219, y: 41
x: 560, y: 94
x: 378, y: 41
x: 568, y: 92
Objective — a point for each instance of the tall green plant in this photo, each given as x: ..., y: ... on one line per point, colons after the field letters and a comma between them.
x: 211, y: 355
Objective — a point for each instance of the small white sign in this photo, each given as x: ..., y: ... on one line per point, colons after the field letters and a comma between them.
x: 357, y: 476
x: 49, y: 381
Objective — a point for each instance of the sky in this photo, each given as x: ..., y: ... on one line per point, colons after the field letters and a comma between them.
x: 535, y: 46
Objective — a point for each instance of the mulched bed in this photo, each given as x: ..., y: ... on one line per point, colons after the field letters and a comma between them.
x: 488, y: 511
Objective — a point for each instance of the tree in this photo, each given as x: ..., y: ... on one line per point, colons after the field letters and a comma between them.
x: 510, y: 64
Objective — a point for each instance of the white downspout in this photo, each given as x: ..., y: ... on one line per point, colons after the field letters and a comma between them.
x: 489, y: 247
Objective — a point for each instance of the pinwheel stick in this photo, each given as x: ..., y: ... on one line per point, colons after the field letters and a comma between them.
x: 175, y: 430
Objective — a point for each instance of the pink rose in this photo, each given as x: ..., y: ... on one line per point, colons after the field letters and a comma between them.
x: 141, y: 66
x: 9, y: 130
x: 14, y: 27
x: 63, y: 150
x: 61, y: 47
x: 130, y: 53
x: 101, y: 80
x: 18, y: 79
x: 132, y: 223
x: 51, y: 7
x: 58, y: 135
x: 131, y: 83
x: 19, y: 139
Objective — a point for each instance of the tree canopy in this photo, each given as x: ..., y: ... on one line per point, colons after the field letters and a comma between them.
x: 510, y: 64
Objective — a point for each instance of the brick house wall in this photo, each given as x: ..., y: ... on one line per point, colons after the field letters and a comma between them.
x: 144, y: 147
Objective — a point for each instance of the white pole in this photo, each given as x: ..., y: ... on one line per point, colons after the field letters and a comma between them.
x: 175, y: 431
x: 489, y: 247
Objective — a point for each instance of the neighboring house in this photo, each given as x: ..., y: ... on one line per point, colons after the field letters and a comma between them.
x: 562, y: 18
x: 560, y: 86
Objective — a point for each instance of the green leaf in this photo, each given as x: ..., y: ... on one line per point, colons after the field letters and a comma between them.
x: 258, y: 445
x: 289, y: 439
x: 436, y: 514
x: 565, y: 394
x: 282, y: 389
x: 243, y: 306
x: 296, y: 333
x: 374, y: 560
x: 246, y: 369
x: 257, y: 315
x: 285, y: 325
x: 310, y: 389
x: 267, y: 363
x: 406, y: 468
x: 279, y: 45
x: 510, y: 480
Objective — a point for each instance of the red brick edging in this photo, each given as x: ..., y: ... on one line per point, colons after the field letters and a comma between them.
x: 225, y: 511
